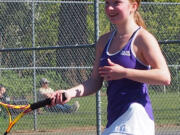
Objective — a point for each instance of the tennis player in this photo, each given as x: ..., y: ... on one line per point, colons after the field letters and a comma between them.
x: 128, y: 58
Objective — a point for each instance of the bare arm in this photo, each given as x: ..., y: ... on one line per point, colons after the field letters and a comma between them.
x: 90, y: 86
x: 94, y: 83
x: 150, y: 54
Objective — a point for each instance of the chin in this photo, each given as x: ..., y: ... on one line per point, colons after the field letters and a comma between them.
x: 114, y: 22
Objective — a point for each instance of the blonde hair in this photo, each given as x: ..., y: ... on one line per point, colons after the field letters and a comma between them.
x: 137, y: 17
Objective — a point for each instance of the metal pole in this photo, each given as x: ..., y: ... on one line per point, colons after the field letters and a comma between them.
x: 98, y: 94
x: 34, y: 62
x: 177, y: 77
x: 1, y: 43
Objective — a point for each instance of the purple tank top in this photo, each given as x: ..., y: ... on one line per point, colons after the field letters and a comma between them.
x: 121, y: 93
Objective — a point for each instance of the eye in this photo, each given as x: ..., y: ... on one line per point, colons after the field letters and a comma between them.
x: 116, y: 2
x: 106, y: 3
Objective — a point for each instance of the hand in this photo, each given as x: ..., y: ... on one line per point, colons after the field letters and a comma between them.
x: 112, y: 72
x: 57, y: 97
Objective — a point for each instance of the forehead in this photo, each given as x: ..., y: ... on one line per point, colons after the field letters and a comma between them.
x: 117, y: 0
x: 2, y: 88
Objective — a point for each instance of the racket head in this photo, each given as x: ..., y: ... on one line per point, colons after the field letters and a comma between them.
x: 6, y: 114
x: 17, y: 118
x: 5, y: 118
x: 25, y: 108
x: 6, y: 110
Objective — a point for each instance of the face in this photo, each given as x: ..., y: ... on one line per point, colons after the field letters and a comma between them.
x: 2, y: 91
x: 118, y: 11
x: 45, y: 84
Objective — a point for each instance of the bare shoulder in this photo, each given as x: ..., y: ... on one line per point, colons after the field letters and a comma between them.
x: 146, y: 47
x: 145, y: 39
x: 103, y: 41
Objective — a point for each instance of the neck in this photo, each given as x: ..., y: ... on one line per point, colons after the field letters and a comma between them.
x: 45, y: 87
x: 127, y: 28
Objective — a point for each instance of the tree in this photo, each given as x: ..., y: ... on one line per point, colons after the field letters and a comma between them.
x: 72, y: 31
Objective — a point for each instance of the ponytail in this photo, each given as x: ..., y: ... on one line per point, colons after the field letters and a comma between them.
x: 139, y: 20
x: 137, y: 17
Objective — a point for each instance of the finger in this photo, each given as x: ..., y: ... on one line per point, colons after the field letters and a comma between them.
x: 52, y: 96
x: 104, y: 71
x: 110, y: 62
x: 104, y: 75
x: 105, y: 68
x: 107, y: 78
x: 62, y: 94
x: 58, y: 98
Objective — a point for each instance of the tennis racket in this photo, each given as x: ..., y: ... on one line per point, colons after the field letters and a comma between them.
x: 25, y: 109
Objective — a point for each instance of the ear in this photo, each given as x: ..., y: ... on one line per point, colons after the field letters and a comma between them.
x: 134, y: 6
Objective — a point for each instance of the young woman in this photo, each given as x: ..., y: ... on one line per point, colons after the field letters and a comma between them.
x: 128, y: 58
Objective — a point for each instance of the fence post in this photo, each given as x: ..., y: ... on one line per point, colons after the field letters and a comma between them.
x: 177, y: 77
x: 34, y: 63
x: 98, y: 96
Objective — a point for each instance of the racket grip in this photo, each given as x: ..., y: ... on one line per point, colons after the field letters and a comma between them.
x: 45, y: 102
x: 40, y: 104
x: 5, y: 133
x: 63, y: 97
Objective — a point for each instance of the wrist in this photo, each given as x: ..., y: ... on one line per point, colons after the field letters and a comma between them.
x: 126, y: 71
x: 71, y: 93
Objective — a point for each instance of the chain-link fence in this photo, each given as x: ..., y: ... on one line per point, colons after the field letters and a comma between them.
x: 55, y: 40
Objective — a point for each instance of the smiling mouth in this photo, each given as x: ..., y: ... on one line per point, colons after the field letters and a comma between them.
x: 113, y: 15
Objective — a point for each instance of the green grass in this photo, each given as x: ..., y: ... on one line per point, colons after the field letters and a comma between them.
x: 166, y: 110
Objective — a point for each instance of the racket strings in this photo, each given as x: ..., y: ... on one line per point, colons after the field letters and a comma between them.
x: 12, y: 123
x: 18, y: 112
x: 24, y: 109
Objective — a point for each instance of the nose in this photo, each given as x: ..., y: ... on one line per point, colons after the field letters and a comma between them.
x: 110, y: 7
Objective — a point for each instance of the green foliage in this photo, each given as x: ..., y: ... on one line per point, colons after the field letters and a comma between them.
x: 162, y: 20
x: 104, y: 24
x: 56, y: 81
x: 15, y: 24
x: 46, y: 24
x: 17, y: 85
